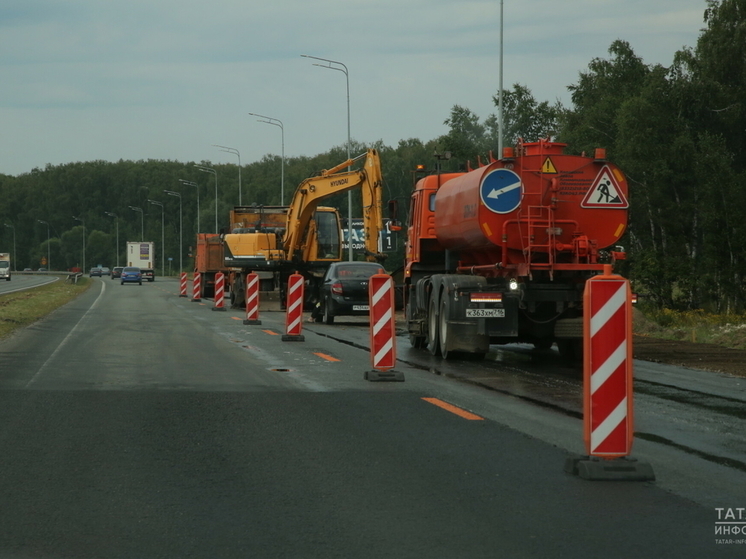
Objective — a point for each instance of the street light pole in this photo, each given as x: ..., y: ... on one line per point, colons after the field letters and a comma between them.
x: 191, y: 183
x: 116, y: 220
x: 214, y: 172
x: 15, y: 266
x: 235, y: 152
x: 344, y: 70
x: 277, y: 122
x: 83, y: 222
x: 142, y: 222
x: 181, y: 250
x: 163, y: 236
x: 49, y: 252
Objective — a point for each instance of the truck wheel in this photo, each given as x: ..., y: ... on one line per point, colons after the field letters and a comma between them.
x: 328, y: 316
x: 416, y: 341
x: 433, y: 341
x: 443, y: 331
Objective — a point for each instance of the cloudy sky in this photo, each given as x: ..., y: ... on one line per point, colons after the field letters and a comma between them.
x: 83, y: 80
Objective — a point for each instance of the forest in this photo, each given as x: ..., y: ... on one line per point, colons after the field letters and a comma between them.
x: 677, y: 131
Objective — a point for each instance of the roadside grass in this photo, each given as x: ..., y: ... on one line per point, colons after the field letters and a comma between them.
x: 18, y: 310
x: 727, y: 330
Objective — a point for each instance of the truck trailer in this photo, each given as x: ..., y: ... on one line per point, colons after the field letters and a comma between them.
x: 5, y: 266
x: 141, y: 254
x: 501, y: 253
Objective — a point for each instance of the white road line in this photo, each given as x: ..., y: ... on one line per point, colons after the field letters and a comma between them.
x: 62, y: 344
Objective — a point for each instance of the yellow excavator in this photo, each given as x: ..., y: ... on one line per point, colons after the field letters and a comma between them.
x: 311, y: 238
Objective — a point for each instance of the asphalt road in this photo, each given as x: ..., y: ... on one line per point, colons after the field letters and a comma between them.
x: 134, y: 423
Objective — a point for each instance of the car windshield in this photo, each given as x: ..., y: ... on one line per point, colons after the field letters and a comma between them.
x: 357, y: 271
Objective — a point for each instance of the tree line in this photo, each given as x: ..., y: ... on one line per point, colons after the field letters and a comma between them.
x: 677, y: 131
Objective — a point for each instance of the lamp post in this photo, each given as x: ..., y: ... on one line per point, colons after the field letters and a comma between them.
x: 142, y: 221
x: 116, y: 220
x: 163, y: 236
x: 49, y: 253
x: 83, y: 222
x: 277, y: 122
x: 191, y: 183
x: 214, y: 172
x: 181, y: 250
x: 500, y: 91
x: 15, y: 266
x: 235, y: 152
x: 340, y: 67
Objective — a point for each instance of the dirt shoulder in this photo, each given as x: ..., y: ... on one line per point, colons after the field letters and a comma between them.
x: 708, y: 357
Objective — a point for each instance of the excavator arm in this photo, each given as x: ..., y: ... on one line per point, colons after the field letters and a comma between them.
x: 312, y: 191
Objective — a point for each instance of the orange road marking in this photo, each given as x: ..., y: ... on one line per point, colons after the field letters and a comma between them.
x: 235, y: 318
x: 453, y: 409
x: 327, y: 357
x: 271, y: 333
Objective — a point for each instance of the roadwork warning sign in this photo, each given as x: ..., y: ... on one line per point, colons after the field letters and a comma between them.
x: 605, y: 192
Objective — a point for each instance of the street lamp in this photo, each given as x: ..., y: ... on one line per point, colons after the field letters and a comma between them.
x: 15, y: 266
x: 181, y: 250
x: 49, y: 253
x: 142, y: 222
x: 116, y: 220
x: 342, y: 68
x: 191, y: 183
x: 163, y: 236
x: 235, y: 152
x: 214, y: 172
x: 83, y: 222
x: 277, y: 122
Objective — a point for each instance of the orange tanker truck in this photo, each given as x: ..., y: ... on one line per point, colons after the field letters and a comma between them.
x: 501, y: 253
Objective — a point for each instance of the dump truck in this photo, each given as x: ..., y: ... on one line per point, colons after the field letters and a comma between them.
x: 501, y: 253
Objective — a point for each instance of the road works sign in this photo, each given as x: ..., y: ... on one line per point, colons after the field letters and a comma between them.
x: 607, y: 366
x: 605, y: 192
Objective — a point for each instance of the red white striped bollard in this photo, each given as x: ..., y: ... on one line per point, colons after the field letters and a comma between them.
x: 196, y: 288
x: 219, y: 292
x: 607, y: 382
x: 252, y: 300
x: 294, y: 314
x: 382, y: 329
x: 183, y: 284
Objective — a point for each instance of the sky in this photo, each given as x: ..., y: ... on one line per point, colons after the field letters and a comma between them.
x: 84, y: 80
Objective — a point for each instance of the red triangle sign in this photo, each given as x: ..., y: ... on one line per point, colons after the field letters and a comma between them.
x: 605, y: 192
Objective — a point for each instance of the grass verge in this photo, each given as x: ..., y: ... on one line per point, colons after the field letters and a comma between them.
x: 726, y: 330
x: 18, y: 310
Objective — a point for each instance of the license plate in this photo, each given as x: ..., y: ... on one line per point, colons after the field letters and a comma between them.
x: 360, y: 308
x: 485, y: 313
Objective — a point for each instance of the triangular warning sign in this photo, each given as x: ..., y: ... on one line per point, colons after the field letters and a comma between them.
x: 548, y: 167
x: 605, y: 192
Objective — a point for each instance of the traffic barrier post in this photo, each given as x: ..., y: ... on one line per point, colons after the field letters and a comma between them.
x: 382, y: 329
x: 252, y: 300
x: 196, y: 288
x: 608, y: 411
x: 183, y: 284
x: 219, y: 292
x: 294, y: 313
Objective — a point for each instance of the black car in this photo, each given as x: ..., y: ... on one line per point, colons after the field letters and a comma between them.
x: 95, y: 272
x: 345, y: 290
x: 117, y: 272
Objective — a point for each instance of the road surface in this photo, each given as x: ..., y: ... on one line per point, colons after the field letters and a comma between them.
x: 134, y: 423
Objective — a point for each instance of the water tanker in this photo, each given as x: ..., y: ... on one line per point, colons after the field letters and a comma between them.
x: 501, y: 253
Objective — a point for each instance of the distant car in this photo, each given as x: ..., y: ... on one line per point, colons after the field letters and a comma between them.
x: 41, y: 270
x: 105, y: 271
x: 27, y: 270
x: 130, y: 274
x: 345, y: 290
x: 95, y: 272
x: 117, y: 272
x: 148, y: 274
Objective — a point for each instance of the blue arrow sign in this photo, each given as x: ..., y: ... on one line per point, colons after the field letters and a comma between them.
x: 501, y: 191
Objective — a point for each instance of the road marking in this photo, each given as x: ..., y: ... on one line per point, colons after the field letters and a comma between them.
x: 453, y: 409
x: 327, y: 357
x: 271, y: 333
x: 59, y: 347
x: 235, y: 318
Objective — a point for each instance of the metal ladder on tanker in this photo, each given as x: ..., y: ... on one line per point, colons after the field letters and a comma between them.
x: 540, y: 219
